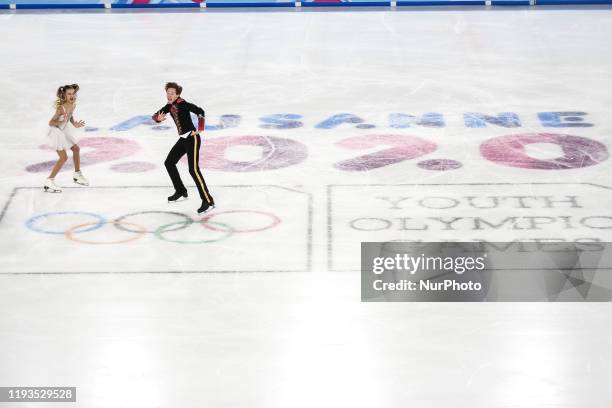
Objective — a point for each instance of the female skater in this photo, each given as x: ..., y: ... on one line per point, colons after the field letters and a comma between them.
x: 60, y: 139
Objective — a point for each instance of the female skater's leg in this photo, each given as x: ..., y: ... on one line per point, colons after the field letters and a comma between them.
x: 50, y: 183
x: 76, y: 157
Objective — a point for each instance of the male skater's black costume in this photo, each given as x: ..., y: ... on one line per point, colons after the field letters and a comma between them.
x: 189, y: 142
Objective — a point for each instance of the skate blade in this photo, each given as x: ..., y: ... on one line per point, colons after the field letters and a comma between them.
x: 209, y: 209
x: 48, y: 190
x: 80, y: 184
x: 179, y: 200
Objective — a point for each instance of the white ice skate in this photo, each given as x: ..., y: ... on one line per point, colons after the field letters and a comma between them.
x: 51, y: 187
x: 80, y: 179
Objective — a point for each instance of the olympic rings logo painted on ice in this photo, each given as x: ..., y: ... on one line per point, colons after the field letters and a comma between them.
x: 125, y: 224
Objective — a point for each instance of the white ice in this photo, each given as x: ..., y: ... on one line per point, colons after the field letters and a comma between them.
x: 271, y: 316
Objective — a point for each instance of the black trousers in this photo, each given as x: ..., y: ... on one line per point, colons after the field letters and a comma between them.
x: 191, y: 146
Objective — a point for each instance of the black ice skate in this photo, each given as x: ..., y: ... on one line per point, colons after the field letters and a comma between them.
x: 177, y: 195
x: 205, y: 207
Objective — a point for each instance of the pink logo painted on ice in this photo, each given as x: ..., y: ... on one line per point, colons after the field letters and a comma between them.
x: 101, y: 149
x: 402, y: 148
x: 276, y: 153
x: 577, y: 151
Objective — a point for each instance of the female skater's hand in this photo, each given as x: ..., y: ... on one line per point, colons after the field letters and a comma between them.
x: 161, y: 116
x: 79, y: 124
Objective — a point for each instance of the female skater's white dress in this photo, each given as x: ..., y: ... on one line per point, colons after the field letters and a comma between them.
x: 59, y: 137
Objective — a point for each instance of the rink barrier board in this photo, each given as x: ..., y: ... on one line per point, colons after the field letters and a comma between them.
x: 162, y: 5
x: 350, y: 4
x: 221, y: 4
x: 510, y: 3
x: 58, y: 6
x: 308, y: 4
x: 442, y: 3
x: 572, y: 2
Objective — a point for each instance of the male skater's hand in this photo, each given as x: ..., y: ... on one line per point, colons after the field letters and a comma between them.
x: 161, y: 116
x: 79, y: 124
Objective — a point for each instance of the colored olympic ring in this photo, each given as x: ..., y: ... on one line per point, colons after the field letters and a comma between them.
x: 183, y: 224
x: 161, y: 230
x: 69, y: 234
x: 275, y: 220
x: 94, y: 226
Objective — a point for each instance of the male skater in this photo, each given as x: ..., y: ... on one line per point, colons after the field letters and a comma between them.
x: 188, y: 142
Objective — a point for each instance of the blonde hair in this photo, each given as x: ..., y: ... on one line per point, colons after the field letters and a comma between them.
x: 61, y: 93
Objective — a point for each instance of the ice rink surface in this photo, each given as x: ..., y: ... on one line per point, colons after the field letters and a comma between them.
x: 324, y: 129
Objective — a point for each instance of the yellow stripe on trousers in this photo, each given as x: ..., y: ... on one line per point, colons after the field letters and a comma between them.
x: 196, y: 167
